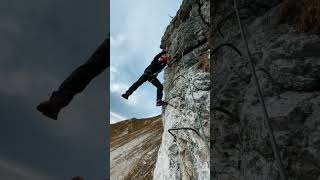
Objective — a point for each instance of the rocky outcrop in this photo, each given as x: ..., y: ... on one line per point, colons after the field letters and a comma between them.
x: 133, y: 148
x: 288, y: 67
x: 184, y: 154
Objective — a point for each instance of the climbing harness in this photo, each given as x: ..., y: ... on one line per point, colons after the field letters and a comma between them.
x: 258, y: 88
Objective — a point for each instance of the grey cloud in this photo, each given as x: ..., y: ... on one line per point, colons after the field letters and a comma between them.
x: 13, y: 170
x: 143, y: 24
x: 41, y: 42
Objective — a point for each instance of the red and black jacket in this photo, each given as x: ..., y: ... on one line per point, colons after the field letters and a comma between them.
x: 156, y: 66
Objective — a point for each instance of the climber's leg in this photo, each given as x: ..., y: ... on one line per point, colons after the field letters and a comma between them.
x: 159, y: 86
x: 76, y: 82
x: 135, y: 86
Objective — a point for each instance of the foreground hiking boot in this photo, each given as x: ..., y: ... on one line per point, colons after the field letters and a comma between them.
x: 49, y: 109
x: 125, y: 95
x: 161, y: 103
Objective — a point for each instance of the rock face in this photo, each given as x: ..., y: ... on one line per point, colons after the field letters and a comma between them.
x: 187, y: 83
x: 134, y: 146
x: 288, y: 68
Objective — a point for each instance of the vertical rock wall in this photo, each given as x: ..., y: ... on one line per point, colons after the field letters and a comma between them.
x: 288, y: 67
x: 187, y: 83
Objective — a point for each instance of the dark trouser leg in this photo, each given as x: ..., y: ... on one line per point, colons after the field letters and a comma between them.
x: 159, y: 86
x: 81, y: 77
x: 138, y: 83
x: 76, y: 82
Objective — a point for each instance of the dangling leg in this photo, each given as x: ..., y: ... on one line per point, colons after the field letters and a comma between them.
x: 135, y: 86
x: 76, y: 82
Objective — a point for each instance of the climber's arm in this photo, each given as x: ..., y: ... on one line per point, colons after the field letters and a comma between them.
x: 159, y: 55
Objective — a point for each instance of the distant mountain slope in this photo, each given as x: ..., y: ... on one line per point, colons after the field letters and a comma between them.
x: 134, y: 146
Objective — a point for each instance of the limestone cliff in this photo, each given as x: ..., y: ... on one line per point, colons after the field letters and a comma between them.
x: 184, y: 153
x: 284, y: 41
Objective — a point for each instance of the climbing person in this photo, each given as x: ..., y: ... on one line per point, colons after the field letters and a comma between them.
x: 76, y: 81
x: 150, y: 74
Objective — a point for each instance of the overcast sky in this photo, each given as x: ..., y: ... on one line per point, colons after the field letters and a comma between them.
x: 136, y: 30
x: 41, y: 42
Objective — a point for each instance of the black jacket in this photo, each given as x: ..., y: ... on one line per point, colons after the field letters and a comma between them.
x: 156, y: 66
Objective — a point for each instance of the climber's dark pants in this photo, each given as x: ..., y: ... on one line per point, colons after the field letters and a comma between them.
x: 151, y: 78
x: 80, y: 77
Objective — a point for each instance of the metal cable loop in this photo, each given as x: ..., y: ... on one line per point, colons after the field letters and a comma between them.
x: 226, y: 45
x: 183, y: 128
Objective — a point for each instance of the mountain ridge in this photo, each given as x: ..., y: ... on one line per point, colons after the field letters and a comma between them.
x: 133, y: 148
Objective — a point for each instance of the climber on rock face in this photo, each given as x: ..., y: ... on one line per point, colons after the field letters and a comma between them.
x: 150, y: 74
x: 77, y: 81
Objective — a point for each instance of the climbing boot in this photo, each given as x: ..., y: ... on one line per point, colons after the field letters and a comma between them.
x: 49, y: 109
x: 161, y: 103
x: 126, y: 95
